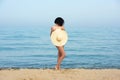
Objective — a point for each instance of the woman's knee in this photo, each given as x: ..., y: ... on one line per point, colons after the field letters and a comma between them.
x: 63, y: 55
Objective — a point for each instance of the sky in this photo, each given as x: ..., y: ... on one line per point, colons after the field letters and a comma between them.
x: 74, y: 12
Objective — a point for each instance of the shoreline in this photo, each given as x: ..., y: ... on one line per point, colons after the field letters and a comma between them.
x: 63, y: 74
x: 17, y: 68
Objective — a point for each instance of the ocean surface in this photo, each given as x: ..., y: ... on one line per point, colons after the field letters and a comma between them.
x: 87, y: 47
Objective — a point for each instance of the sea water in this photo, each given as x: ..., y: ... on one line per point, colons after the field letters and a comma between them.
x: 87, y: 47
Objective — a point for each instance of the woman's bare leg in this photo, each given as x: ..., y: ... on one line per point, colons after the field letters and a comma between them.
x: 57, y: 66
x: 61, y: 55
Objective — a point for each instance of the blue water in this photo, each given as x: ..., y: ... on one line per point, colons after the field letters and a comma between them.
x: 87, y: 47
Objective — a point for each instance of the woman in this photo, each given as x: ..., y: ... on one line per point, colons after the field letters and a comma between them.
x: 58, y: 29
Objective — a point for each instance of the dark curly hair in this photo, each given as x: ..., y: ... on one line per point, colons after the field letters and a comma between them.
x: 59, y: 21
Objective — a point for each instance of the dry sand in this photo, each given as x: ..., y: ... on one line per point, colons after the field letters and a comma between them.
x: 64, y: 74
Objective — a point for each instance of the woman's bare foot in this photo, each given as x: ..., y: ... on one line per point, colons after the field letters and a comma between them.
x: 57, y: 67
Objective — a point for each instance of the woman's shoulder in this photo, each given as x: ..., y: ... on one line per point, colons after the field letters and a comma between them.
x: 53, y: 28
x: 62, y: 28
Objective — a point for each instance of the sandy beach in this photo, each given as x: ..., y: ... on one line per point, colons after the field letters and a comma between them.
x: 64, y: 74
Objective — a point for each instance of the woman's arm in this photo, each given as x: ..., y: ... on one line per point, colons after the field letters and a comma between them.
x: 51, y: 32
x: 52, y: 29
